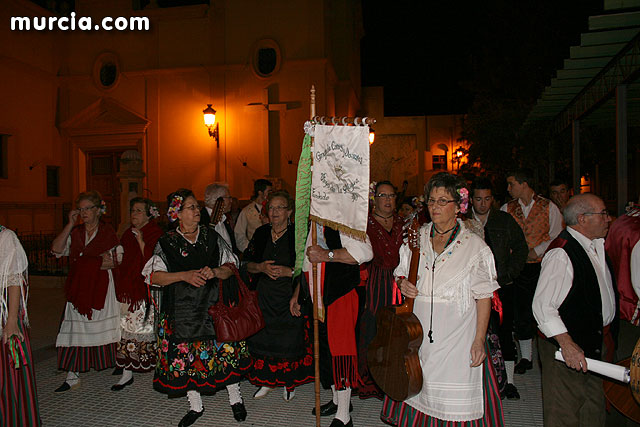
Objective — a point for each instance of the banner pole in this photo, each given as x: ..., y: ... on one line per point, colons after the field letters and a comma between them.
x: 314, y: 285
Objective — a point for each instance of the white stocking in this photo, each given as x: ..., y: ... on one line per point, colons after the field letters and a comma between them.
x: 72, y: 378
x: 234, y: 394
x: 508, y: 366
x: 344, y: 399
x: 195, y: 401
x: 526, y: 350
x: 126, y: 376
x: 335, y: 394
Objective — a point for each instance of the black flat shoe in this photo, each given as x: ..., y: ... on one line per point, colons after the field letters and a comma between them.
x: 338, y: 423
x: 329, y: 408
x: 117, y: 371
x: 66, y: 387
x: 239, y: 411
x: 523, y: 366
x: 190, y: 418
x: 511, y: 392
x: 118, y: 387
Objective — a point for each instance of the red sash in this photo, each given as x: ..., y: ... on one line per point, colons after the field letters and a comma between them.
x: 130, y: 287
x: 86, y: 286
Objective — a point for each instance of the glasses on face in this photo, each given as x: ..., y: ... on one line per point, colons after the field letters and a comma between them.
x: 387, y: 196
x: 192, y: 207
x: 86, y: 209
x: 439, y: 202
x: 144, y: 211
x: 277, y: 208
x: 604, y: 213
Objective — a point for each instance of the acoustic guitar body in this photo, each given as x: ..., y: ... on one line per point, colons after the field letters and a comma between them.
x: 393, y: 354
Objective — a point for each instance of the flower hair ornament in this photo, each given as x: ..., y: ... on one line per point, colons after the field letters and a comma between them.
x: 464, y: 199
x: 103, y: 207
x: 372, y: 191
x: 174, y: 207
x: 153, y: 211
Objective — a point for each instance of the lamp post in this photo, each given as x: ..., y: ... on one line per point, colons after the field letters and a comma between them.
x: 459, y: 154
x: 210, y: 123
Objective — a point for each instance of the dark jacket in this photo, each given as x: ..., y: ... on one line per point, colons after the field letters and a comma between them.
x: 508, y: 244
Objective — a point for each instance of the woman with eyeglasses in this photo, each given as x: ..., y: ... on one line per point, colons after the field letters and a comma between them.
x: 281, y: 351
x: 456, y: 280
x: 90, y: 328
x: 136, y: 351
x: 384, y: 228
x: 188, y: 263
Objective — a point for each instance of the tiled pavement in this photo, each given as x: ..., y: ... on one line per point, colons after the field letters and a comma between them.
x: 94, y: 404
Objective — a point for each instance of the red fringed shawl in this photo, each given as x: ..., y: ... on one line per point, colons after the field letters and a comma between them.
x: 130, y: 287
x: 86, y: 286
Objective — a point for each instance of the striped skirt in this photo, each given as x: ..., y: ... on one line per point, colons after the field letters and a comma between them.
x: 81, y: 359
x: 18, y: 399
x: 402, y: 415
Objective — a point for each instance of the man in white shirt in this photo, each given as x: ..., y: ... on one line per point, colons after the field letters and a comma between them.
x: 249, y: 219
x: 212, y: 193
x: 574, y: 306
x: 541, y: 222
x: 338, y: 257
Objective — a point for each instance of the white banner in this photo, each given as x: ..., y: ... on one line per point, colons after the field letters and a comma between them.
x: 340, y: 178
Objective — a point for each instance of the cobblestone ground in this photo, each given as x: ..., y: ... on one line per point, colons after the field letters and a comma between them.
x: 94, y: 404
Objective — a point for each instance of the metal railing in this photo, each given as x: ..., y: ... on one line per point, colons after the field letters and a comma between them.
x: 41, y: 261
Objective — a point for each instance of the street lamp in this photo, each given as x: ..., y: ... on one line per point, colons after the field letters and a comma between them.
x: 210, y: 123
x: 459, y: 154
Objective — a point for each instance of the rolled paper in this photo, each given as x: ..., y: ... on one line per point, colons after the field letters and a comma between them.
x: 610, y: 370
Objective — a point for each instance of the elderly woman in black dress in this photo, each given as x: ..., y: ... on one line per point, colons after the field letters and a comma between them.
x: 281, y: 351
x: 188, y: 263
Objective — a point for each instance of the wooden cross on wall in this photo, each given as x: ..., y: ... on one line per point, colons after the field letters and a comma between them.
x: 272, y: 106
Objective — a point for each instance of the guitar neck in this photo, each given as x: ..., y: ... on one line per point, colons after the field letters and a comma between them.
x: 216, y: 212
x: 407, y: 307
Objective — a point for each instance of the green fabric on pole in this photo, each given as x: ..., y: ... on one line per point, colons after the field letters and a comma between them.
x: 303, y: 202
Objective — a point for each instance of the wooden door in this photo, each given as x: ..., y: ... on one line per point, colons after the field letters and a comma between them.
x: 102, y: 176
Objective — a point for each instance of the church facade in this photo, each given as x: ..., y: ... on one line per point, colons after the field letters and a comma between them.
x: 76, y: 101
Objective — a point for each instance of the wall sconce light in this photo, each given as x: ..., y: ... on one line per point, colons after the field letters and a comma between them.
x: 210, y: 123
x: 372, y: 136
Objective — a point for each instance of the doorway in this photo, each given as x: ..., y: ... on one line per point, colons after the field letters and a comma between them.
x: 102, y: 175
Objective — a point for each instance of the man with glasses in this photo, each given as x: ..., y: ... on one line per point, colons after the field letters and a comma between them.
x: 211, y: 194
x: 541, y: 222
x: 575, y: 305
x: 509, y: 247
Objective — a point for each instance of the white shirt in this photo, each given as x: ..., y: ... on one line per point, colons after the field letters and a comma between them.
x: 220, y: 228
x: 556, y: 279
x: 635, y: 268
x: 555, y: 222
x: 477, y: 218
x: 247, y: 223
x: 359, y: 250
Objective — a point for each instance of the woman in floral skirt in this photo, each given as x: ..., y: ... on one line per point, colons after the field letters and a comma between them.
x: 188, y: 264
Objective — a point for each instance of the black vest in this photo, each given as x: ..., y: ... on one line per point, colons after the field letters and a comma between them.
x: 339, y: 278
x: 581, y: 310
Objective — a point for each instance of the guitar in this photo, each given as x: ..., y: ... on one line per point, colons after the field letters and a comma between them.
x: 393, y: 354
x: 216, y: 211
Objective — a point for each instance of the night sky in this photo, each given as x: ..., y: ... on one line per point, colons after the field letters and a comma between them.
x: 434, y: 56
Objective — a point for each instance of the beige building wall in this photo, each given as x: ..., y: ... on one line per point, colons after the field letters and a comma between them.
x: 192, y: 56
x: 404, y: 146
